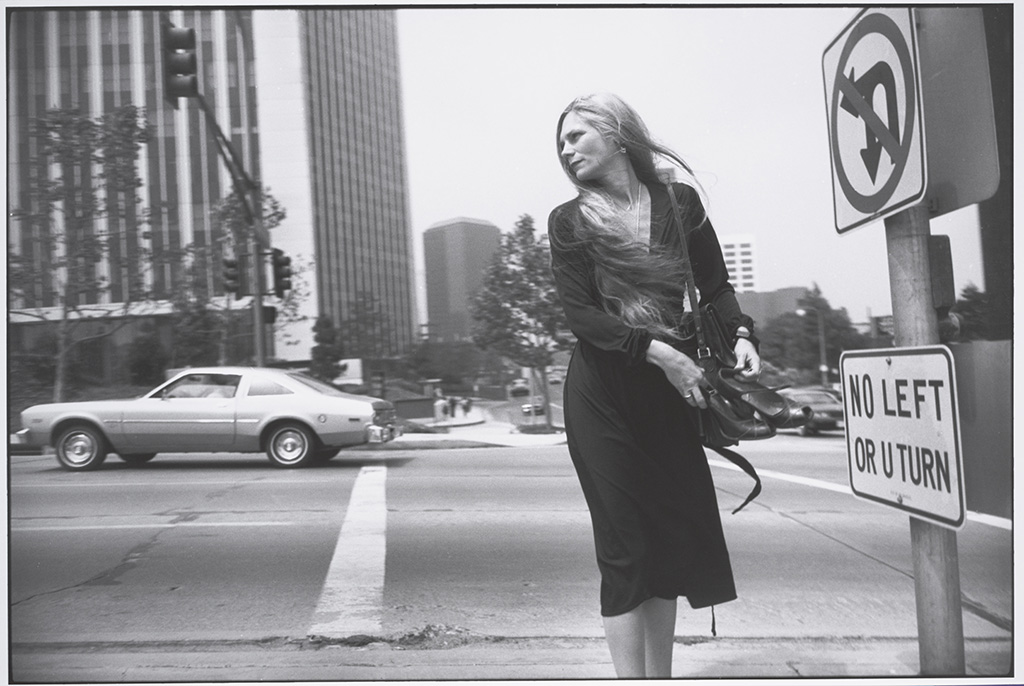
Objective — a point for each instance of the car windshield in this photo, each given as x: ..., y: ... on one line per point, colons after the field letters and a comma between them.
x: 316, y: 385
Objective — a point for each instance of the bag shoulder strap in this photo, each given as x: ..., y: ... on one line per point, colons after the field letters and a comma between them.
x: 703, y: 351
x: 745, y: 465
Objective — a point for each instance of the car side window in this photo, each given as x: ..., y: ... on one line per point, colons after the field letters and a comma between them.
x: 266, y: 387
x: 204, y: 386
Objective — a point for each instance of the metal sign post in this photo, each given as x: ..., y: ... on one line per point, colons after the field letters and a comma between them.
x: 911, y: 135
x: 940, y: 625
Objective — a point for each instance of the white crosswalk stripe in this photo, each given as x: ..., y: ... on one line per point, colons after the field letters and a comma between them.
x: 352, y: 599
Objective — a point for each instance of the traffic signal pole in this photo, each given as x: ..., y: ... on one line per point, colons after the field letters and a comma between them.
x: 181, y: 81
x: 252, y: 203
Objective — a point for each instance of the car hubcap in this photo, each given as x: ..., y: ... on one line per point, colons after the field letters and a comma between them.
x: 79, y: 448
x: 290, y: 446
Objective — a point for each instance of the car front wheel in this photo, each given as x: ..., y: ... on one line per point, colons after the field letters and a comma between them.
x: 81, y: 448
x: 291, y: 445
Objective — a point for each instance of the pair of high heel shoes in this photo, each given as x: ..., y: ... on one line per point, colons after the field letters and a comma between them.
x: 747, y: 410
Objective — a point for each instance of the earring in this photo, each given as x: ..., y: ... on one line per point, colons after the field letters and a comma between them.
x: 622, y: 149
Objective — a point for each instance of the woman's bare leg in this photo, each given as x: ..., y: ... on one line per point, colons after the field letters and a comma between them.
x: 641, y: 640
x: 659, y: 636
x: 625, y: 636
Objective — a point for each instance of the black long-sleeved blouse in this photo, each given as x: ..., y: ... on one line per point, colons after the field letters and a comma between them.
x: 574, y: 272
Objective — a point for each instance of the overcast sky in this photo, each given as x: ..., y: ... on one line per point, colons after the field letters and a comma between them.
x: 738, y: 92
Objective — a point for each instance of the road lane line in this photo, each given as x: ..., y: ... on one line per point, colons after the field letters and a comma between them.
x: 990, y: 520
x: 352, y: 599
x: 99, y: 527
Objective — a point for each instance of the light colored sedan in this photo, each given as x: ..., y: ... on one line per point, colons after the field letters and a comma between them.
x: 294, y: 419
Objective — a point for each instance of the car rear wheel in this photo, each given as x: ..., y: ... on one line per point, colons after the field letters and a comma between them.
x: 291, y: 445
x: 137, y: 458
x: 81, y: 448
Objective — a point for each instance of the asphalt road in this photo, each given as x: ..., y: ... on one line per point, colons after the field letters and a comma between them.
x: 492, y: 541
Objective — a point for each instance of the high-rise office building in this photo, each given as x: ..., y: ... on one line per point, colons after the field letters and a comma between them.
x: 740, y: 251
x: 456, y: 254
x: 310, y: 102
x: 333, y: 152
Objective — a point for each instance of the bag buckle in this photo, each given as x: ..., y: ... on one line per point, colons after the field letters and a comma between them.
x: 703, y: 352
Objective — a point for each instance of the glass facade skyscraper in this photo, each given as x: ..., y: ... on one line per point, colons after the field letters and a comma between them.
x: 330, y: 91
x: 97, y: 61
x: 310, y: 101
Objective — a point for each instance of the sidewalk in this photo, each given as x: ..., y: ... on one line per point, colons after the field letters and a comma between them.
x: 475, y: 430
x: 461, y: 657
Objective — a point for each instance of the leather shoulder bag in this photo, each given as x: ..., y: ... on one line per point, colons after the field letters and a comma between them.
x: 737, y: 409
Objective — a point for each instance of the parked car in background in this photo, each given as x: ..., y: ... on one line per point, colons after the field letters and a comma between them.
x: 535, y: 407
x: 519, y: 388
x: 828, y: 411
x: 295, y: 419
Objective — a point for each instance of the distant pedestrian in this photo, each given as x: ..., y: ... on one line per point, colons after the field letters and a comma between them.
x: 453, y: 402
x: 440, y: 409
x: 467, y: 404
x: 616, y: 258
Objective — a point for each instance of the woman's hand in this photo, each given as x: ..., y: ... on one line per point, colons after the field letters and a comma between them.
x: 748, y: 361
x: 680, y: 370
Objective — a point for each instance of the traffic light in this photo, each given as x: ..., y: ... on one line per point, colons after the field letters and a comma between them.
x: 282, y: 272
x: 180, y: 78
x: 231, y: 276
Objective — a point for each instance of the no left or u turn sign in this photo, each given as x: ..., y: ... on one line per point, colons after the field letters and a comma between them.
x: 876, y: 137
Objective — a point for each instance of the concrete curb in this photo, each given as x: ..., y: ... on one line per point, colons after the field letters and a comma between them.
x: 487, y: 658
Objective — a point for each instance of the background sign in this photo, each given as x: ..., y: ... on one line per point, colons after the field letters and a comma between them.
x: 875, y: 124
x: 903, y: 431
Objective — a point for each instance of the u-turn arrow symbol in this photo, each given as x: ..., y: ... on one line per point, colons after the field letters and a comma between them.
x: 858, y: 100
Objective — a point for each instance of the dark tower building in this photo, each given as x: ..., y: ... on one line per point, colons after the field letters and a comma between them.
x: 455, y: 254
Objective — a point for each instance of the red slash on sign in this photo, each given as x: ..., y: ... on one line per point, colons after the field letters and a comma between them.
x: 858, y: 100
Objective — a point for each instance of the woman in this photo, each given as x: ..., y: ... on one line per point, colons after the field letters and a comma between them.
x: 630, y: 385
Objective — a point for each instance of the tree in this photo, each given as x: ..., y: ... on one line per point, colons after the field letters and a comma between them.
x: 517, y: 312
x: 81, y: 255
x: 458, y: 364
x: 327, y: 352
x: 208, y: 328
x: 200, y: 324
x: 232, y: 216
x: 289, y: 308
x: 791, y: 341
x: 972, y: 310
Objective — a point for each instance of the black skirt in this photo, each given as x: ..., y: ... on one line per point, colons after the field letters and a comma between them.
x: 632, y: 439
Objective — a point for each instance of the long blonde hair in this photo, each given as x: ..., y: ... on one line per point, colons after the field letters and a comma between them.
x: 640, y: 286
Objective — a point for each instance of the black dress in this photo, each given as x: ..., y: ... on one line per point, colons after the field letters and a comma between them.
x: 631, y: 436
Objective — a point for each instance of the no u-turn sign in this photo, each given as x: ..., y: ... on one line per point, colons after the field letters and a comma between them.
x: 876, y: 137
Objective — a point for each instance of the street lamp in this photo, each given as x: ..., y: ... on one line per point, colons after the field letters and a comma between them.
x: 822, y: 359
